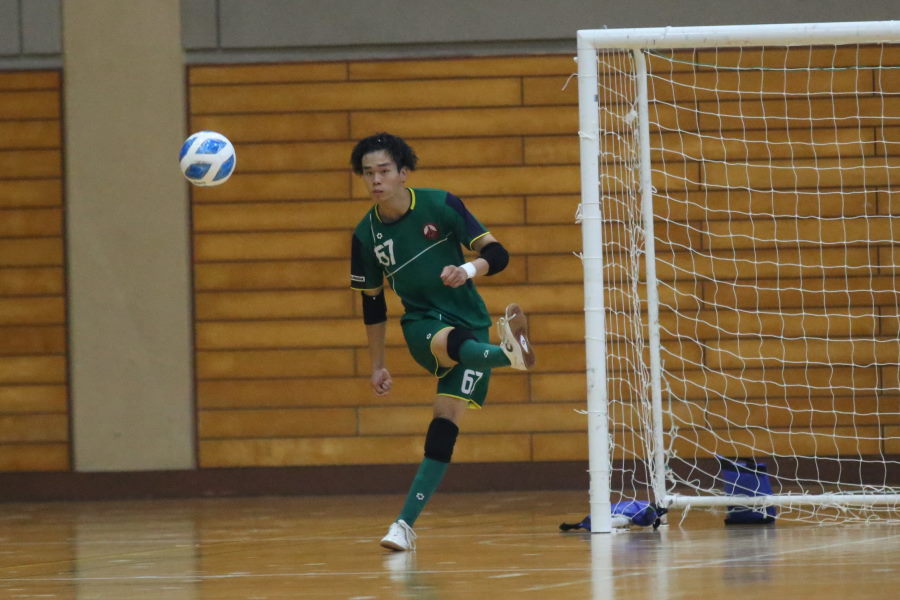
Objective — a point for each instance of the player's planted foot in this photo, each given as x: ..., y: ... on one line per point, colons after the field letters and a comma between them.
x: 400, y: 536
x: 513, y: 329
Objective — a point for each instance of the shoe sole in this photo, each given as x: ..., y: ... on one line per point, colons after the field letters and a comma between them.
x: 392, y: 546
x: 519, y: 331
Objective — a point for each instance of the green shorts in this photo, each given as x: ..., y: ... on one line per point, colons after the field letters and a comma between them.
x: 457, y: 381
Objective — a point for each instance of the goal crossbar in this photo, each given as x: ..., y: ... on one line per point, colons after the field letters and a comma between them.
x: 788, y: 34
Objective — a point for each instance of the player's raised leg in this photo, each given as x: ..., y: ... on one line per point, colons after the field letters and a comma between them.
x: 458, y: 345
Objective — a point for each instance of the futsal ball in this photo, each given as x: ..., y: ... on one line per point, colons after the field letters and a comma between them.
x: 207, y: 158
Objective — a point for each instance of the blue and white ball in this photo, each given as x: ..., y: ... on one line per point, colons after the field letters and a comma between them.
x: 207, y: 158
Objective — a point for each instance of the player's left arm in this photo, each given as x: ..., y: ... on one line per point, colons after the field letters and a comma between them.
x: 492, y: 258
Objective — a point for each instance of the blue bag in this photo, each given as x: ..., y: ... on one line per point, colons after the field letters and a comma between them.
x: 630, y: 512
x: 639, y: 512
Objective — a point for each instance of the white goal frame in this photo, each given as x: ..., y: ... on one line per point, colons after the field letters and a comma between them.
x: 635, y: 41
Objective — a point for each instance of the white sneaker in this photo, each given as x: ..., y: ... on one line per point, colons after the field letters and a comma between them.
x: 513, y: 328
x: 400, y: 536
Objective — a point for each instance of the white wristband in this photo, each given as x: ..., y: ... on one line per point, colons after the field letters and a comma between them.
x: 469, y: 268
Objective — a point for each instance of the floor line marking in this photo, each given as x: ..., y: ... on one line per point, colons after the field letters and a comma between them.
x: 709, y: 563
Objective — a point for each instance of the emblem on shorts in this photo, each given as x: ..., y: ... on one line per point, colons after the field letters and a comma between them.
x: 430, y: 231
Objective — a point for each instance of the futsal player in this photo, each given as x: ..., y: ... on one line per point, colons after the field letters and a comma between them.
x: 413, y: 238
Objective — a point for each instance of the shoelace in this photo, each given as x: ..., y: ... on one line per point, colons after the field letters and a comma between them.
x: 410, y: 534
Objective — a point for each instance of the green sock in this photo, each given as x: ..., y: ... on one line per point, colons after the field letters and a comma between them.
x: 426, y: 481
x: 486, y: 356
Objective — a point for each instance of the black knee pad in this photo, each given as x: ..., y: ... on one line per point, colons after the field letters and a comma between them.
x: 455, y: 339
x: 440, y: 439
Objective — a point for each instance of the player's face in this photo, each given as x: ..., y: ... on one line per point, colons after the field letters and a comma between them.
x: 383, y: 180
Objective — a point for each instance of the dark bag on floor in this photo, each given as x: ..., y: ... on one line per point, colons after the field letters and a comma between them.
x: 746, y: 477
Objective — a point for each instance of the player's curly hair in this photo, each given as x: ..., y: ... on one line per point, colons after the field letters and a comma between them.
x: 400, y: 151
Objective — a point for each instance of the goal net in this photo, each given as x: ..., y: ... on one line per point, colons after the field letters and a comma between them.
x: 741, y: 217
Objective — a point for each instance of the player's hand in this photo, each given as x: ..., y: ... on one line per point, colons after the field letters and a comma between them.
x: 453, y: 276
x: 381, y: 382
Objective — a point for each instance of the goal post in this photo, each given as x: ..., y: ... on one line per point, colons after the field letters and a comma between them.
x: 740, y: 225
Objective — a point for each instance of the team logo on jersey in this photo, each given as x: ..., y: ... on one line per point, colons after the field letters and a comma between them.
x: 430, y: 231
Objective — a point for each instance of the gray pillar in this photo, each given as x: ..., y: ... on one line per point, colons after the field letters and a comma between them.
x: 128, y: 237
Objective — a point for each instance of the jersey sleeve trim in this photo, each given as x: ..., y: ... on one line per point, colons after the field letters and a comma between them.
x: 363, y: 271
x: 475, y: 239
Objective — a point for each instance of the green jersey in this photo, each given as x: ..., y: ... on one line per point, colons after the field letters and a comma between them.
x: 412, y: 251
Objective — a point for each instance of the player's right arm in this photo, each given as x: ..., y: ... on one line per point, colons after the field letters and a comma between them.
x: 375, y: 332
x: 367, y: 277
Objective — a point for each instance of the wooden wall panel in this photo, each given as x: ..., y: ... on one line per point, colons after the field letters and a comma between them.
x: 31, y: 222
x: 399, y: 70
x: 317, y: 391
x: 829, y: 113
x: 833, y: 292
x: 771, y: 142
x: 20, y: 193
x: 32, y: 310
x: 471, y: 122
x: 808, y: 173
x: 34, y: 456
x: 33, y: 399
x: 280, y: 343
x: 272, y: 304
x: 275, y: 216
x: 31, y: 163
x: 730, y: 85
x: 267, y: 275
x: 277, y: 245
x: 28, y: 252
x: 30, y: 104
x: 34, y: 411
x: 261, y: 73
x: 275, y: 127
x: 262, y: 364
x: 29, y: 134
x: 322, y: 96
x: 804, y: 57
x: 788, y: 203
x: 262, y: 187
x: 358, y: 450
x: 313, y: 422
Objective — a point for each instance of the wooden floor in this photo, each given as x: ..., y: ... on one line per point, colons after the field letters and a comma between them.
x: 471, y: 546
